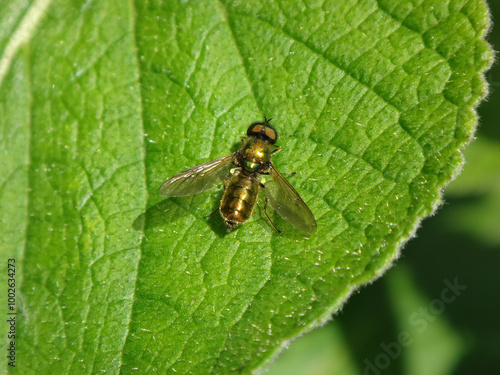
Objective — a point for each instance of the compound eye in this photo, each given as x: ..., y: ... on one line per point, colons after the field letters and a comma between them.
x: 271, y: 134
x: 255, y: 129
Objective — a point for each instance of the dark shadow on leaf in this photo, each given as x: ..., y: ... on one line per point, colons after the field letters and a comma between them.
x: 172, y: 209
x: 158, y: 215
x: 215, y: 220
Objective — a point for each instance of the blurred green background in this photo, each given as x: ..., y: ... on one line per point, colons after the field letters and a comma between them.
x: 408, y: 322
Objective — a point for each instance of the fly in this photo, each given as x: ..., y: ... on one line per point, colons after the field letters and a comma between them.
x: 247, y: 165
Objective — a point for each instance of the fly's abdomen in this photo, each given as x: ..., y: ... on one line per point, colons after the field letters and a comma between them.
x: 239, y: 200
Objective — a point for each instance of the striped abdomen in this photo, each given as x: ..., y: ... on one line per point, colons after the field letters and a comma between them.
x: 239, y: 199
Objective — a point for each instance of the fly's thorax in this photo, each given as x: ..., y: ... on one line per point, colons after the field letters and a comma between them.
x: 255, y: 154
x: 239, y: 198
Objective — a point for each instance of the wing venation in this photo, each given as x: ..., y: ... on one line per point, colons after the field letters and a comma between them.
x: 197, y: 179
x: 285, y: 200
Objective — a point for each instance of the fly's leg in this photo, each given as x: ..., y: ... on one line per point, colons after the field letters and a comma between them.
x: 265, y: 212
x: 289, y: 173
x: 211, y: 213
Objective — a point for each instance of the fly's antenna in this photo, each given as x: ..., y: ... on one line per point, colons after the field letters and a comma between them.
x: 266, y: 120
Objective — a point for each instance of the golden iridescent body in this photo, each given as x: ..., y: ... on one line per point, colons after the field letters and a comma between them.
x: 252, y: 160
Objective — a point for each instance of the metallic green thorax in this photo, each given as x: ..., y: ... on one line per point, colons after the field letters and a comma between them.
x: 254, y: 154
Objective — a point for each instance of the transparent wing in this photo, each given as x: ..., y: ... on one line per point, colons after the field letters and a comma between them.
x: 285, y: 200
x: 197, y: 179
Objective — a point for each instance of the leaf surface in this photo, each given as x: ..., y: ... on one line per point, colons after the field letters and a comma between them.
x: 105, y: 100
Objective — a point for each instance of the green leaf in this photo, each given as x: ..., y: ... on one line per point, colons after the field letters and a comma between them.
x: 102, y: 101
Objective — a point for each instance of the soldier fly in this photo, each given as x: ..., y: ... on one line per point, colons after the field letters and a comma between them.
x: 247, y: 166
